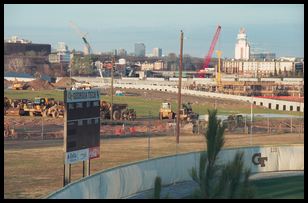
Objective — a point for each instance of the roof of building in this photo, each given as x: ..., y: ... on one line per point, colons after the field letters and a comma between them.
x: 18, y: 75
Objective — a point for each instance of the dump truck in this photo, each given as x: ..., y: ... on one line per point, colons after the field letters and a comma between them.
x: 120, y: 111
x: 165, y: 111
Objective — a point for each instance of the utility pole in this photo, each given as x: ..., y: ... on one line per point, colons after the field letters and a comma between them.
x: 179, y: 92
x: 112, y: 67
x: 251, y: 119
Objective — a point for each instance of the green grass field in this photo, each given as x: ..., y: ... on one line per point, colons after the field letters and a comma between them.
x: 280, y: 188
x: 145, y: 106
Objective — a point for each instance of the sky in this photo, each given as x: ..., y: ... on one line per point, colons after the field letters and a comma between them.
x: 276, y: 28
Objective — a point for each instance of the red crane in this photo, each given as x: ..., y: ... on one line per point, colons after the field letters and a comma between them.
x: 208, y: 57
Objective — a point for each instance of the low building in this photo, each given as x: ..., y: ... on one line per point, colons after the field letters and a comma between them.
x: 62, y: 55
x: 21, y: 77
x: 158, y: 65
x: 15, y: 48
x: 260, y: 68
x: 262, y: 56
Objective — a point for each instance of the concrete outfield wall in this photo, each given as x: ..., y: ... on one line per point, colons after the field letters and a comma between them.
x: 127, y: 180
x: 162, y: 86
x: 257, y: 101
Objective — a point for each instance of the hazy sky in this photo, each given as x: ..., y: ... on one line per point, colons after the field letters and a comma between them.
x: 274, y: 28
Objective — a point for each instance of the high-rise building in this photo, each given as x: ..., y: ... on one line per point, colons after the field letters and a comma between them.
x: 62, y: 47
x: 62, y: 54
x: 139, y: 49
x: 157, y: 52
x: 242, y: 48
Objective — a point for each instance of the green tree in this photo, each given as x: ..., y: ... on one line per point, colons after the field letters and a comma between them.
x: 220, y: 181
x: 157, y: 187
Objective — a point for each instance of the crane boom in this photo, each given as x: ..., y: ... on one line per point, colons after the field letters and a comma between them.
x: 209, y: 54
x: 82, y: 35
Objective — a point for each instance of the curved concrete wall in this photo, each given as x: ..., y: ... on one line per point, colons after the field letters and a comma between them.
x: 126, y: 180
x: 169, y: 86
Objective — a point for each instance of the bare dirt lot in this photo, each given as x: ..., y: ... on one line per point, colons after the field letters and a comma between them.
x: 34, y: 168
x: 33, y: 164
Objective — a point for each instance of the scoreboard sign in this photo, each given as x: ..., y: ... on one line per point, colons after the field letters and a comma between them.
x: 81, y: 125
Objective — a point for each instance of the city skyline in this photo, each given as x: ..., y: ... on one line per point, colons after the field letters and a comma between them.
x: 280, y: 28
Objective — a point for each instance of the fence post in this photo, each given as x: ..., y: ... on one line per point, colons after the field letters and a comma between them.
x: 42, y: 134
x: 268, y: 125
x: 291, y: 125
x: 149, y: 141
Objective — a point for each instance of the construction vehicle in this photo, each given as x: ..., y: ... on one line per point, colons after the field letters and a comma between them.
x: 88, y: 49
x: 165, y: 111
x: 202, y: 73
x: 83, y: 86
x: 120, y: 111
x: 17, y: 85
x: 186, y: 113
x: 234, y: 121
x: 41, y: 107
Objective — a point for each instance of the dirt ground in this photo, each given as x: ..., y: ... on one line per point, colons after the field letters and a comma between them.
x: 33, y: 165
x: 34, y: 168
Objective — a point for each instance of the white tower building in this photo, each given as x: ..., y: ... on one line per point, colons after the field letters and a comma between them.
x: 242, y: 48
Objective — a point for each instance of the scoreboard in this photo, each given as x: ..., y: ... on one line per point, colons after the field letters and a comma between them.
x: 81, y: 125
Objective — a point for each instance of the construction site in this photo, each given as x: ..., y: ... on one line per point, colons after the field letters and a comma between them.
x: 126, y: 117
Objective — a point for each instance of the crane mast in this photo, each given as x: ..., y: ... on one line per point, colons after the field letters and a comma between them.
x: 208, y: 57
x: 83, y: 37
x: 209, y: 54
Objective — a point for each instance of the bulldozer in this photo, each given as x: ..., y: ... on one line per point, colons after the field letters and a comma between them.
x: 234, y: 121
x: 165, y: 111
x: 120, y: 111
x: 186, y: 113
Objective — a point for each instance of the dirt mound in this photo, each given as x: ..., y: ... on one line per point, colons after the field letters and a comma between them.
x: 65, y: 82
x: 40, y: 84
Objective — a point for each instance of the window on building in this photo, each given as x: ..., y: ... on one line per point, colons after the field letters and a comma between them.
x: 277, y: 106
x: 298, y: 108
x: 291, y: 108
x: 284, y: 107
x: 95, y: 103
x: 79, y: 105
x: 269, y: 105
x: 88, y: 104
x: 261, y: 103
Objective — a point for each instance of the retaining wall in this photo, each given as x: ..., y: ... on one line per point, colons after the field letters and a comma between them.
x: 127, y: 180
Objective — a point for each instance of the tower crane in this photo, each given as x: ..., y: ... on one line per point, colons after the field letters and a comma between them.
x: 208, y: 57
x: 83, y: 37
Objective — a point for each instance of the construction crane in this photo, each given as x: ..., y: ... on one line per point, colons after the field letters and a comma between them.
x: 88, y: 49
x: 210, y: 52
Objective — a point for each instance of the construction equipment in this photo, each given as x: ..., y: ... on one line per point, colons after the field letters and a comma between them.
x: 234, y: 121
x: 17, y: 85
x: 88, y: 49
x: 166, y: 112
x: 42, y: 107
x: 83, y: 86
x: 202, y: 72
x: 186, y: 113
x: 218, y: 78
x: 120, y: 111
